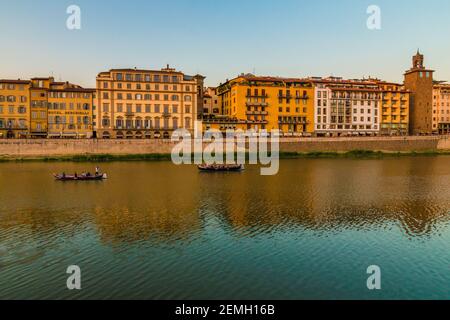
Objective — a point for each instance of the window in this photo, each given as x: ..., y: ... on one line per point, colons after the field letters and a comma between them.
x: 187, y: 123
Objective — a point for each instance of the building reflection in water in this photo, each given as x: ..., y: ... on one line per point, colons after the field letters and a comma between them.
x: 165, y: 203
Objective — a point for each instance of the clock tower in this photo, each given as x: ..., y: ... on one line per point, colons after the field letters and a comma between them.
x: 419, y: 81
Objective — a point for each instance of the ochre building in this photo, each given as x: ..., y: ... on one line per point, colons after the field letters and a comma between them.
x: 269, y: 103
x: 137, y: 104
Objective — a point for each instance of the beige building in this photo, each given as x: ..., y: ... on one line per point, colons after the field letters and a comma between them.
x: 441, y: 108
x: 211, y: 102
x: 133, y: 103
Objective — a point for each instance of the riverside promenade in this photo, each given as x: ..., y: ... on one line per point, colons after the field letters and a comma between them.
x: 44, y: 148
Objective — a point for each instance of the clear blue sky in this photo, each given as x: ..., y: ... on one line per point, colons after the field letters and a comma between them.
x: 221, y: 39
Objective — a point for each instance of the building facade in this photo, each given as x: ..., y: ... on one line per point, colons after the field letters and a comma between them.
x: 42, y: 108
x: 419, y: 81
x: 211, y: 103
x: 14, y: 108
x: 441, y: 108
x: 268, y: 103
x: 346, y: 107
x: 366, y: 107
x: 134, y: 103
x: 394, y: 109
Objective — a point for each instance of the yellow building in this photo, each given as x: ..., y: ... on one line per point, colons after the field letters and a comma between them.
x: 41, y: 108
x: 441, y: 108
x: 268, y: 103
x: 14, y: 108
x: 38, y: 107
x: 394, y: 109
x: 138, y: 104
x: 70, y: 111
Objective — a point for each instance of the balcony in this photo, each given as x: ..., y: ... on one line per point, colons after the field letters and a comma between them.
x: 265, y: 113
x: 129, y: 114
x: 166, y: 115
x: 284, y: 96
x: 293, y: 121
x: 262, y: 96
x: 13, y: 127
x: 256, y: 104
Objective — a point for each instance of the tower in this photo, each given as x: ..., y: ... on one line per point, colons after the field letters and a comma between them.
x: 419, y: 81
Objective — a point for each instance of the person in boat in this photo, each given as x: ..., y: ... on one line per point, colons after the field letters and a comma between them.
x: 63, y: 174
x: 97, y: 171
x: 75, y: 175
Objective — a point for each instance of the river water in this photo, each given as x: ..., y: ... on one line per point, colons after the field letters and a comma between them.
x: 154, y: 230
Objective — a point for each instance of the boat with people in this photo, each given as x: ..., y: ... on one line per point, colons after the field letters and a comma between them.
x: 221, y: 167
x: 81, y: 177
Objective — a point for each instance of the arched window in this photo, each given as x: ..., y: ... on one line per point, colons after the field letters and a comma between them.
x: 138, y: 123
x: 119, y: 123
x: 2, y: 98
x: 148, y: 123
x: 119, y: 135
x: 187, y: 123
x: 187, y: 98
x: 105, y: 122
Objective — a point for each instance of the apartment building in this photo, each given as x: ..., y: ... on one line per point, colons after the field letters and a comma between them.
x: 42, y: 107
x: 346, y: 107
x: 136, y: 104
x: 394, y: 109
x: 441, y: 108
x: 14, y: 108
x: 211, y: 102
x: 268, y: 103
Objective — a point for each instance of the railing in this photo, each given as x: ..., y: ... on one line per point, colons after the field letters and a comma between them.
x: 257, y: 104
x: 257, y: 112
x: 257, y: 96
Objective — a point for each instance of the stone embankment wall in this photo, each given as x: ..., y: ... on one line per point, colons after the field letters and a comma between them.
x: 51, y: 148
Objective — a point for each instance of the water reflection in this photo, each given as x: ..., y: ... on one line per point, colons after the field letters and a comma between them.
x: 148, y: 200
x: 155, y: 230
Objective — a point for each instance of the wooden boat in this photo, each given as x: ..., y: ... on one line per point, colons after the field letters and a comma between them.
x: 221, y: 167
x: 61, y: 177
